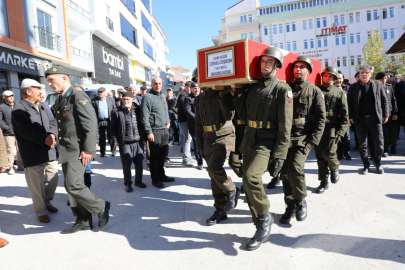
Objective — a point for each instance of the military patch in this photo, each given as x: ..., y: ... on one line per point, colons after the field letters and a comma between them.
x: 289, y: 94
x: 83, y: 102
x: 67, y: 94
x: 65, y: 114
x: 54, y: 69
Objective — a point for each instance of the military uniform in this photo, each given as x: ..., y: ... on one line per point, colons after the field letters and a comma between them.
x: 215, y: 138
x: 235, y: 158
x: 307, y: 127
x: 336, y: 125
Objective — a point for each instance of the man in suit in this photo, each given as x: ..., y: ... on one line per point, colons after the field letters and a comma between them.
x: 36, y: 131
x: 77, y: 125
x: 103, y: 105
x: 399, y: 91
x: 368, y: 110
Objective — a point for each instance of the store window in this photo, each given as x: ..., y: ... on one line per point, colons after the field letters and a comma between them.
x: 3, y: 84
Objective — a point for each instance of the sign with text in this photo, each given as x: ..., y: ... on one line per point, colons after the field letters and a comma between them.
x: 220, y: 63
x: 334, y: 30
x: 21, y: 62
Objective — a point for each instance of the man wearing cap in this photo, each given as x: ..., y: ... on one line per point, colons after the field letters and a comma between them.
x: 307, y: 128
x: 336, y: 125
x: 118, y: 100
x: 7, y: 127
x: 267, y: 109
x: 36, y: 132
x: 103, y: 105
x: 77, y: 125
x: 141, y: 94
x: 127, y: 132
x: 156, y: 123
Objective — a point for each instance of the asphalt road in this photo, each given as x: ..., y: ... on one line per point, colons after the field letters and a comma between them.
x: 359, y: 223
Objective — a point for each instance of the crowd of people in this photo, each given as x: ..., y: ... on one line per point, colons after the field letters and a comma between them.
x: 270, y: 125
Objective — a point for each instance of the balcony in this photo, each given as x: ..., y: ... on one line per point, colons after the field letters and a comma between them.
x: 80, y: 53
x: 47, y: 39
x: 79, y: 9
x: 110, y: 24
x: 237, y: 27
x: 166, y: 50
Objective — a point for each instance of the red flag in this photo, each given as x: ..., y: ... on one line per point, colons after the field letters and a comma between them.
x: 378, y: 17
x: 334, y: 61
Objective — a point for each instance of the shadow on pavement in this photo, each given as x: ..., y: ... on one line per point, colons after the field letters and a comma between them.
x: 396, y: 196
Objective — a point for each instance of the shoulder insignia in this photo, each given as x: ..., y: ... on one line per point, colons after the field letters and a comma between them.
x: 83, y: 102
x: 289, y: 94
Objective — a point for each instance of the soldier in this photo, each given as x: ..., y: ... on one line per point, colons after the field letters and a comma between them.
x: 215, y: 138
x: 336, y: 125
x: 307, y: 128
x: 235, y: 158
x: 77, y: 126
x: 267, y: 109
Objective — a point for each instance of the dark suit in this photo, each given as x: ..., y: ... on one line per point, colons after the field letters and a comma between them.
x: 369, y: 123
x: 392, y: 101
x: 104, y: 124
x: 77, y: 125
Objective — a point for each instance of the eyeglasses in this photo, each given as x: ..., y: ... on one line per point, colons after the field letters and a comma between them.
x: 266, y: 62
x: 366, y: 72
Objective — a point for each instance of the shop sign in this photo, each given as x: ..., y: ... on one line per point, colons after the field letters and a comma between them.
x: 334, y: 30
x: 21, y: 62
x: 139, y: 71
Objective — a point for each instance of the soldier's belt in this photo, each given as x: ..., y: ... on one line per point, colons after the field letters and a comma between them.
x: 240, y: 122
x: 213, y: 128
x: 259, y: 124
x: 330, y: 114
x: 301, y: 121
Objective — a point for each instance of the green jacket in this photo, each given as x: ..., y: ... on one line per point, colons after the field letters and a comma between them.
x: 154, y: 112
x: 309, y: 105
x: 251, y: 104
x: 77, y: 125
x: 336, y: 124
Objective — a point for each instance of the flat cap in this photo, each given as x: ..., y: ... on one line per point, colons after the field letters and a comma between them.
x: 101, y: 89
x: 8, y: 93
x: 143, y: 88
x: 127, y: 94
x: 56, y: 70
x: 30, y: 83
x: 119, y: 90
x: 193, y: 84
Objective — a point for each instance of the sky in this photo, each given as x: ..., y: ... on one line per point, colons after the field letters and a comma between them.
x: 190, y: 25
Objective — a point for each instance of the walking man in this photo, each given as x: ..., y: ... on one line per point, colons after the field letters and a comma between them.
x: 182, y: 119
x: 77, y: 125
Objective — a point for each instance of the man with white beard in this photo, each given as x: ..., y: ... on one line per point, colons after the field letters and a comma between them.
x: 127, y: 131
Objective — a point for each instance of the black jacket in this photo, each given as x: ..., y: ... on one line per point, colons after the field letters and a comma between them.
x: 392, y: 101
x: 110, y: 103
x: 5, y: 119
x: 180, y: 107
x: 381, y: 102
x: 31, y: 129
x: 117, y: 125
x: 189, y: 110
x: 172, y: 106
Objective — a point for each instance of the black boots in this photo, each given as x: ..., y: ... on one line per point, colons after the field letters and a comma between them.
x: 289, y: 213
x: 79, y: 225
x: 301, y: 213
x: 379, y: 168
x: 220, y: 214
x: 232, y: 200
x: 366, y: 168
x: 262, y: 234
x: 334, y: 176
x: 322, y: 187
x: 274, y: 182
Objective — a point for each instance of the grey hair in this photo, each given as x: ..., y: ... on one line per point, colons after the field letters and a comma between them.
x: 24, y: 91
x: 367, y: 66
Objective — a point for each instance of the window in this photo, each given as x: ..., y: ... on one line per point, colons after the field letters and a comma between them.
x: 318, y: 23
x: 266, y: 31
x: 336, y: 19
x: 344, y: 61
x: 251, y: 35
x: 148, y: 50
x: 294, y: 45
x: 351, y: 38
x: 275, y: 29
x: 305, y: 44
x: 146, y: 3
x: 287, y: 27
x: 391, y: 12
x: 250, y: 18
x: 130, y: 4
x: 338, y: 62
x: 304, y: 25
x: 322, y: 2
x: 293, y: 26
x: 385, y: 34
x: 343, y: 39
x: 326, y: 60
x: 337, y: 40
x: 310, y: 3
x: 375, y: 14
x: 243, y: 35
x: 324, y: 22
x: 357, y: 17
x: 325, y: 42
x: 352, y: 60
x: 311, y: 24
x: 384, y: 13
x: 243, y: 19
x: 261, y: 12
x: 45, y: 35
x: 358, y: 37
x: 319, y: 43
x: 128, y: 31
x: 392, y: 33
x: 312, y: 43
x: 326, y: 2
x: 280, y: 28
x: 146, y: 24
x: 281, y: 45
x: 342, y: 19
x: 359, y: 59
x: 368, y: 15
x: 276, y: 45
x: 351, y: 18
x: 288, y: 46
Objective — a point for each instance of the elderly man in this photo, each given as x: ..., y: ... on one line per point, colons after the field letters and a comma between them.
x: 8, y: 132
x: 368, y: 110
x: 36, y: 133
x: 132, y: 89
x: 141, y: 94
x: 77, y: 125
x: 155, y: 121
x: 103, y: 106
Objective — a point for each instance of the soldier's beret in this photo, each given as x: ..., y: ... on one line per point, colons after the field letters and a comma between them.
x: 193, y: 84
x: 56, y: 70
x: 380, y: 75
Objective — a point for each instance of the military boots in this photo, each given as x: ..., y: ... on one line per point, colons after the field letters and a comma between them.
x: 262, y: 234
x: 334, y: 176
x: 274, y: 182
x: 232, y: 200
x: 322, y: 187
x: 220, y: 214
x: 289, y: 213
x: 301, y: 213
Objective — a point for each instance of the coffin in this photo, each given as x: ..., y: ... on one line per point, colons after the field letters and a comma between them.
x: 236, y: 63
